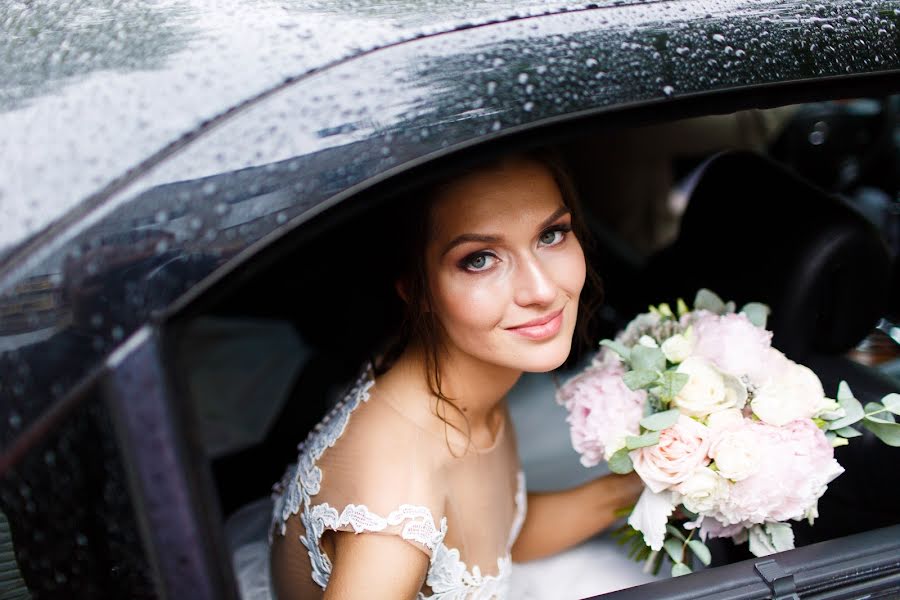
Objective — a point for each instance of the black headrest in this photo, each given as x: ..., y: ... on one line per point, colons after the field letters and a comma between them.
x: 754, y: 231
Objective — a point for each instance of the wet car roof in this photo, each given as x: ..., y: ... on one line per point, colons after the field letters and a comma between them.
x: 90, y: 88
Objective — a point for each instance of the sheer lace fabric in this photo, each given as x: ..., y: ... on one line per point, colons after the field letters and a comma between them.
x: 369, y: 468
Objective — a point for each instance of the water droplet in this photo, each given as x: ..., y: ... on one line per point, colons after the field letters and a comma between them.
x: 591, y: 62
x: 15, y: 421
x: 718, y: 37
x: 523, y: 78
x: 682, y: 51
x: 668, y: 90
x: 209, y: 188
x: 491, y: 87
x: 498, y: 62
x: 196, y: 223
x: 221, y: 208
x: 852, y: 21
x: 495, y: 126
x: 540, y: 69
x: 117, y: 333
x: 96, y: 320
x: 281, y: 218
x: 162, y: 246
x: 528, y: 106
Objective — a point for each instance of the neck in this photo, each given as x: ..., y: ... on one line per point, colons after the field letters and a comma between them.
x: 475, y: 387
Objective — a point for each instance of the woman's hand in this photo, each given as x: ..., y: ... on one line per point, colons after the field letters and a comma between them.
x: 558, y: 520
x: 376, y: 567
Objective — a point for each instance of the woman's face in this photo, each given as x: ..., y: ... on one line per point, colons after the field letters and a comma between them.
x: 504, y: 267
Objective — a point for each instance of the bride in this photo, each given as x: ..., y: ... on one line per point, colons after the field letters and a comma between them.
x: 411, y: 487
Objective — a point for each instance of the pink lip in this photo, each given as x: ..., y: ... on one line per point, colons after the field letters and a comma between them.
x: 540, y: 328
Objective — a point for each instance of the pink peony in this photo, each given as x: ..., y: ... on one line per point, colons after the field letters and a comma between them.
x: 734, y: 344
x: 682, y: 448
x: 794, y: 463
x: 602, y: 411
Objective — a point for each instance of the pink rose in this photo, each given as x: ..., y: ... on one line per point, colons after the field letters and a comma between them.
x: 795, y: 463
x: 733, y: 344
x: 682, y: 448
x: 602, y: 411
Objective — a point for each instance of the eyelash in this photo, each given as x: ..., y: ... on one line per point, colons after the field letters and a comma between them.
x: 466, y: 263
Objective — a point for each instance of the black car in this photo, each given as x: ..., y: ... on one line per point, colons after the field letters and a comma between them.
x: 171, y: 173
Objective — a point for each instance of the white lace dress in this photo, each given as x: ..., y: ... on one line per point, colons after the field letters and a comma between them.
x: 371, y: 467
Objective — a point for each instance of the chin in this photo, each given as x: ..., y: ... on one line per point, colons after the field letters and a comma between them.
x: 542, y: 360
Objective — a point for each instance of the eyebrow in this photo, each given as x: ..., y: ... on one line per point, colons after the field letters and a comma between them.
x: 493, y: 239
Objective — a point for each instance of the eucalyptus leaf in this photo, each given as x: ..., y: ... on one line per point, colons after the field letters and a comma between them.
x: 700, y: 551
x: 647, y: 359
x: 671, y: 383
x: 730, y: 307
x: 620, y: 462
x: 633, y: 442
x: 660, y: 420
x: 757, y: 313
x: 674, y: 531
x: 878, y: 413
x: 639, y: 379
x: 617, y: 347
x: 709, y: 300
x: 853, y: 409
x: 675, y: 549
x: 679, y: 569
x: 892, y: 403
x: 889, y: 433
x: 844, y: 391
x: 847, y: 432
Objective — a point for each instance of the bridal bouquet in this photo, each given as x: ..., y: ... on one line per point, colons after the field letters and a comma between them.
x: 730, y: 437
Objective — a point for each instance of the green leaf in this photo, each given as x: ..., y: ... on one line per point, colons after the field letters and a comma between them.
x: 671, y: 384
x: 679, y: 569
x: 889, y: 433
x: 844, y: 391
x: 620, y: 462
x: 851, y: 406
x: 639, y: 379
x: 661, y: 420
x: 700, y: 551
x: 757, y: 312
x: 617, y: 347
x: 879, y: 414
x: 847, y: 432
x: 709, y: 300
x: 647, y: 359
x: 675, y: 549
x: 892, y: 403
x: 674, y: 531
x: 633, y: 442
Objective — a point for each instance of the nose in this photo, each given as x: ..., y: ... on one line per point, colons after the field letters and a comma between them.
x: 534, y: 285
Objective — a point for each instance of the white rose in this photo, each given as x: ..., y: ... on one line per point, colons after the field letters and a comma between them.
x: 705, y: 391
x: 702, y: 491
x: 725, y: 419
x: 677, y: 348
x: 648, y: 342
x: 794, y: 392
x: 736, y: 454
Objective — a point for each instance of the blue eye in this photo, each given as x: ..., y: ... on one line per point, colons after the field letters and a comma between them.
x: 552, y: 237
x: 481, y: 261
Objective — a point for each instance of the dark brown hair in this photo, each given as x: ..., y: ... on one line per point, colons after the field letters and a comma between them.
x: 419, y: 322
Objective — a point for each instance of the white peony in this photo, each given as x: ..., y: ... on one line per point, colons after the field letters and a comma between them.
x: 706, y: 391
x: 677, y: 348
x: 702, y: 491
x: 736, y: 453
x: 792, y: 392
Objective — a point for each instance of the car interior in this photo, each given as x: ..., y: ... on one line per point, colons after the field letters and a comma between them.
x: 792, y: 206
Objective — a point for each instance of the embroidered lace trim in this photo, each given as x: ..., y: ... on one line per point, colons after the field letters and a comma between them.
x: 448, y: 577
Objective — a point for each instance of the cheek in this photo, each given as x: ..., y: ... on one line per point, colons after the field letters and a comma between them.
x: 469, y: 304
x: 569, y: 270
